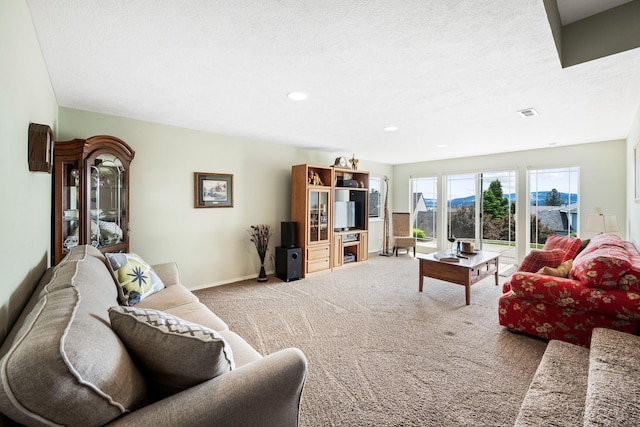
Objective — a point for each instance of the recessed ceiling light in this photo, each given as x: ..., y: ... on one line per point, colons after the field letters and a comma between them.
x: 528, y: 112
x: 391, y: 128
x: 297, y: 96
x: 441, y: 145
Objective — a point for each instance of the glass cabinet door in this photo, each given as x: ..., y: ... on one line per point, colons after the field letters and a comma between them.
x: 107, y: 201
x: 70, y: 205
x: 318, y: 216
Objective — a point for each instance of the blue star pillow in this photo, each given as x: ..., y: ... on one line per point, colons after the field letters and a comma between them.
x: 136, y: 278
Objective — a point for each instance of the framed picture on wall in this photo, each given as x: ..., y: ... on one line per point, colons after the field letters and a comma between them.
x: 213, y: 190
x: 636, y: 168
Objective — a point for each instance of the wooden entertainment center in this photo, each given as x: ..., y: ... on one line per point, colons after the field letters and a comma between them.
x: 331, y: 208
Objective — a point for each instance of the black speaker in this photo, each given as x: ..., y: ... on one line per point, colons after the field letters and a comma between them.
x: 360, y: 199
x: 288, y: 234
x: 288, y: 263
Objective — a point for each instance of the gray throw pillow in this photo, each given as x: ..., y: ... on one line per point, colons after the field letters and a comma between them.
x: 174, y: 353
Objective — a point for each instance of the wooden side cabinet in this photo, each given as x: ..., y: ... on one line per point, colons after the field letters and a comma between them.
x: 330, y: 207
x: 91, y: 195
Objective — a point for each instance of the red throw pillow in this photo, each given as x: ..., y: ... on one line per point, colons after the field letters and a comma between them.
x: 538, y: 258
x: 571, y: 245
x: 602, y: 268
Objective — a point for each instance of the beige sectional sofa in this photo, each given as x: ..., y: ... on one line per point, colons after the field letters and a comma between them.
x: 575, y: 386
x: 63, y: 363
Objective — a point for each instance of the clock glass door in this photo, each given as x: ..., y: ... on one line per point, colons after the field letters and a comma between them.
x: 107, y: 201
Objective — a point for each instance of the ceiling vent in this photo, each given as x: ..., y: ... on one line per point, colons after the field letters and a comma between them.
x: 528, y: 112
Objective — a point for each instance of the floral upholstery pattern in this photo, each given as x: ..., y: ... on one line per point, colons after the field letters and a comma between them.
x: 602, y: 290
x: 550, y: 322
x: 602, y: 267
x: 572, y: 294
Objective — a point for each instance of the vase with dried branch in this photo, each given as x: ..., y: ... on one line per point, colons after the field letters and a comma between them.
x: 260, y: 235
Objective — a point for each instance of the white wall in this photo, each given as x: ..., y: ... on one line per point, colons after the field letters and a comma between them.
x: 211, y: 246
x: 602, y: 177
x: 633, y: 206
x: 25, y: 222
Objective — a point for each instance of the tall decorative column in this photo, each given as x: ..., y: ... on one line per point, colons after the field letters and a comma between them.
x: 385, y: 244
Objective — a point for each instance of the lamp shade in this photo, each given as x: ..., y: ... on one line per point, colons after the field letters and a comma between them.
x: 602, y: 223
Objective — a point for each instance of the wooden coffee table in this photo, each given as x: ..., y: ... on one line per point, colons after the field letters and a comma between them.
x: 466, y: 272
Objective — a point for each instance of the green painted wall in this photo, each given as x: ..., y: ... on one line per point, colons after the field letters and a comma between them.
x: 211, y: 246
x: 26, y: 97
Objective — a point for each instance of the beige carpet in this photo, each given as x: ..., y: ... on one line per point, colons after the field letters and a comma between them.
x: 383, y: 354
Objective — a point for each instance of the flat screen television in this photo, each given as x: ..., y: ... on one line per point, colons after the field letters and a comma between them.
x: 344, y: 215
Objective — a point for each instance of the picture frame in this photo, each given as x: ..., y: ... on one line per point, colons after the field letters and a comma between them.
x: 636, y: 167
x: 213, y: 190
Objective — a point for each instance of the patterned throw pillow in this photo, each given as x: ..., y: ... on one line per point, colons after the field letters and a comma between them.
x: 538, y: 258
x: 561, y: 271
x: 136, y: 278
x: 603, y: 267
x: 571, y: 245
x: 175, y: 354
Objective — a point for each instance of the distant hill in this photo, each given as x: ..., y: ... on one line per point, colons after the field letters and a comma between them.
x: 537, y: 198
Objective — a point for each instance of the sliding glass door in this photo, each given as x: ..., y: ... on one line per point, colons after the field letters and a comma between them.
x: 498, y: 212
x: 424, y: 212
x: 462, y: 207
x: 481, y: 210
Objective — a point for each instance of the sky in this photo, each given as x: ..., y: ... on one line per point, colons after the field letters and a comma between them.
x: 565, y: 180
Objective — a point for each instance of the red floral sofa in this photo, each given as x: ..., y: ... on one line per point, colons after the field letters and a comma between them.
x: 557, y: 296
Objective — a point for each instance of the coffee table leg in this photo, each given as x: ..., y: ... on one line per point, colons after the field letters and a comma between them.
x: 421, y: 279
x: 467, y: 293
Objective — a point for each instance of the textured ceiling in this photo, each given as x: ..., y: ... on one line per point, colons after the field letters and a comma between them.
x: 575, y: 10
x: 444, y: 72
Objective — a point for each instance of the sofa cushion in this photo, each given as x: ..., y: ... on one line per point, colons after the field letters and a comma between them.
x: 191, y: 353
x: 613, y: 387
x: 606, y: 239
x: 538, y: 258
x: 560, y: 271
x: 631, y: 280
x: 60, y: 358
x: 136, y: 278
x: 571, y: 245
x: 602, y: 267
x: 182, y: 303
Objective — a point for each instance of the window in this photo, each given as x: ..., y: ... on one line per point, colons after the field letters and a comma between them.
x: 424, y: 213
x: 554, y: 203
x: 375, y: 197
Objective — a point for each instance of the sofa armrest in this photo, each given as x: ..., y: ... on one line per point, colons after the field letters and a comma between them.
x: 168, y: 273
x: 528, y: 282
x: 266, y: 392
x: 572, y: 294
